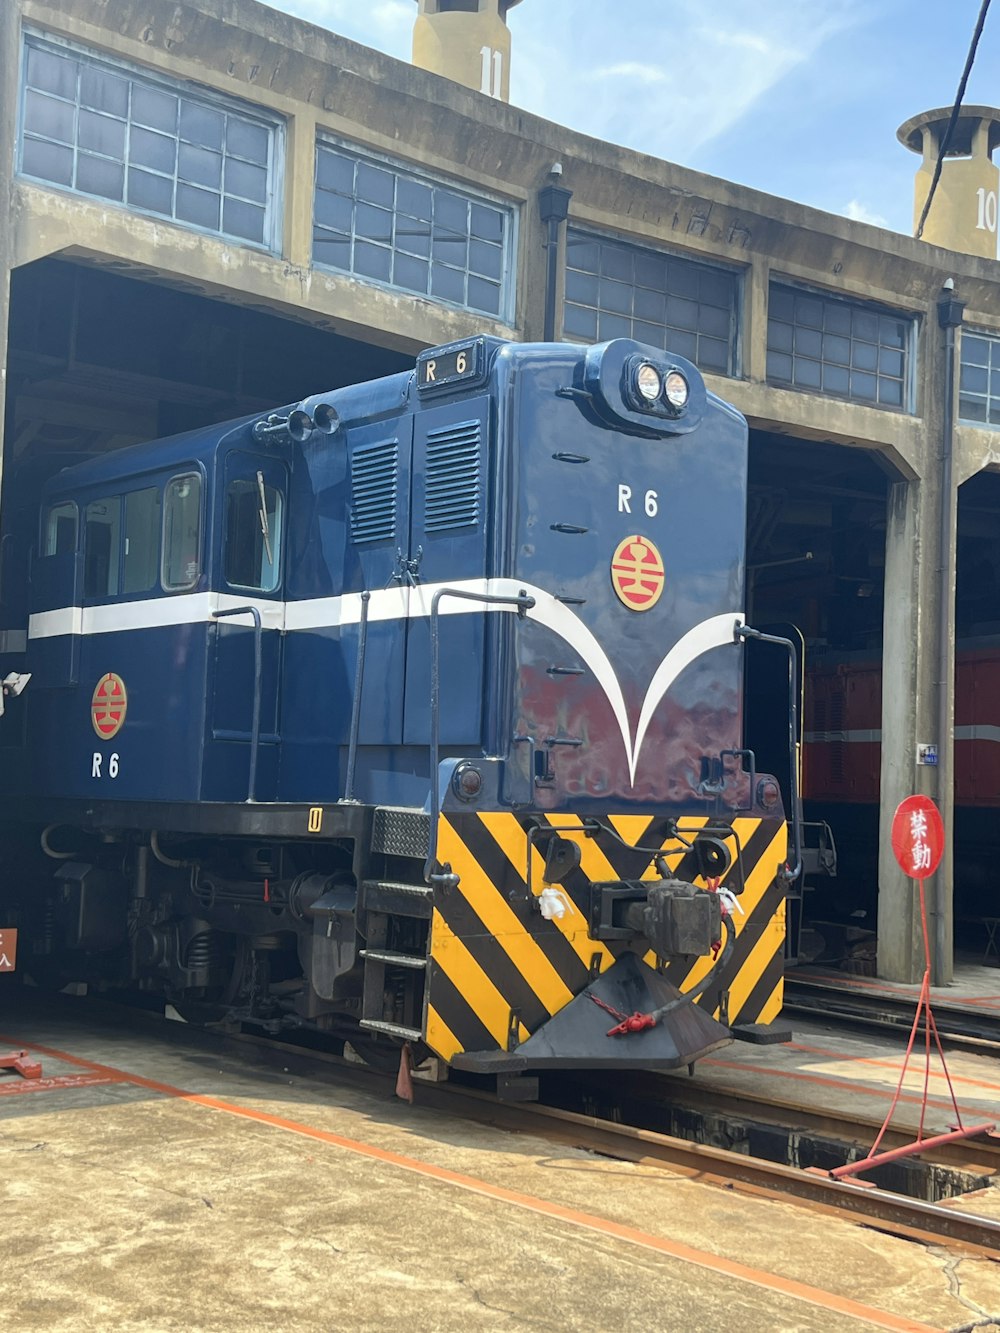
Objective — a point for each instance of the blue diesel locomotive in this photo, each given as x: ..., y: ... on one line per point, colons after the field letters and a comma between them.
x: 411, y: 712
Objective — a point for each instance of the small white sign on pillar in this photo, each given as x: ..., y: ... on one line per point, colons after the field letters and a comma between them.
x: 927, y: 754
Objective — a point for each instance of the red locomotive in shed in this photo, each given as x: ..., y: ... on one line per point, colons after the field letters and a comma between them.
x: 842, y: 737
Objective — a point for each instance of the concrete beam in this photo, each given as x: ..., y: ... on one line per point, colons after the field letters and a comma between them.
x: 48, y: 223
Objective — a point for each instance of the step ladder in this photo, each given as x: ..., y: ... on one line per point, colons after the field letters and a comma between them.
x: 394, y: 978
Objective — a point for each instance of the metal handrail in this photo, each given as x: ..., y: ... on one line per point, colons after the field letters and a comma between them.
x: 789, y: 873
x: 524, y: 603
x: 258, y: 671
x: 359, y: 681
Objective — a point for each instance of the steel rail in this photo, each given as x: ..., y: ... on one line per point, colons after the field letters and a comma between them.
x: 916, y: 1219
x: 823, y: 999
x: 929, y: 1223
x: 896, y: 1214
x: 975, y: 1157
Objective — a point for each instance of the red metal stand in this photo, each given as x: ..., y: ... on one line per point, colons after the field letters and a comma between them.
x: 21, y: 1063
x: 876, y: 1158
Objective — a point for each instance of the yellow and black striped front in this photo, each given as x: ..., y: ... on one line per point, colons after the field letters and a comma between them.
x: 499, y: 969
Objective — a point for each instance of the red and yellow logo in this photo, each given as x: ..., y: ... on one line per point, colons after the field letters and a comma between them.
x: 637, y: 574
x: 108, y: 706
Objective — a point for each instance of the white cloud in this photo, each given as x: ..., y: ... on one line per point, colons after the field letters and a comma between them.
x: 629, y: 69
x: 859, y: 212
x: 697, y: 79
x: 384, y: 24
x: 393, y: 16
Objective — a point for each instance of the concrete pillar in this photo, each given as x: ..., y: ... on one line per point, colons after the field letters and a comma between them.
x: 918, y: 698
x: 756, y: 293
x: 10, y: 22
x: 300, y: 189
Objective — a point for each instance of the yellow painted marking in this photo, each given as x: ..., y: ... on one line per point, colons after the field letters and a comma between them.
x: 758, y: 880
x: 511, y: 840
x: 755, y: 965
x: 471, y: 981
x: 440, y: 1037
x: 772, y: 1008
x: 593, y: 862
x: 674, y: 849
x: 500, y: 921
x: 631, y: 827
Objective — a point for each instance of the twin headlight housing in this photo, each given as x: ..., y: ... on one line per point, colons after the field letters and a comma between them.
x: 660, y: 389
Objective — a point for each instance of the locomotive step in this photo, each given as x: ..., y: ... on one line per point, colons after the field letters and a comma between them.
x: 394, y: 959
x: 397, y: 899
x: 390, y: 1029
x: 400, y: 831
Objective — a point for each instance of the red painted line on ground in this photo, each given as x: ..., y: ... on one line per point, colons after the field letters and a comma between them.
x: 15, y: 1088
x: 714, y: 1263
x: 902, y: 991
x: 842, y: 1084
x: 893, y: 1065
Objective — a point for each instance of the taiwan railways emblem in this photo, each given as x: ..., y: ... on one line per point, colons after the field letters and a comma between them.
x: 637, y: 574
x: 108, y: 706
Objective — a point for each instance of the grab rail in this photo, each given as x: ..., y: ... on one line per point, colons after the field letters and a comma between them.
x: 258, y: 672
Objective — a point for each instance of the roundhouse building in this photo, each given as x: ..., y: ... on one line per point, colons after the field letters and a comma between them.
x: 211, y: 208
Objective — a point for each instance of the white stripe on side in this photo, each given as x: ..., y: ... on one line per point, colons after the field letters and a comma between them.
x: 154, y: 613
x: 399, y: 603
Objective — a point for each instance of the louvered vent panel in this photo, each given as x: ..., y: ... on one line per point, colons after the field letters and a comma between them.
x: 452, y: 477
x: 374, y: 469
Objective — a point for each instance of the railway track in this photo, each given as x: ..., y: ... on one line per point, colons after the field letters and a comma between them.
x: 814, y: 997
x: 951, y: 1224
x: 885, y: 1210
x: 651, y: 1099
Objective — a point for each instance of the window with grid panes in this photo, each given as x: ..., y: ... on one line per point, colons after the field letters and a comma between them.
x: 618, y: 290
x: 380, y: 222
x: 846, y: 349
x: 115, y: 134
x: 979, y: 384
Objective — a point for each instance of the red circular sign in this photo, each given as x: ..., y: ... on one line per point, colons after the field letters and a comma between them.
x: 108, y: 706
x: 917, y: 836
x: 637, y: 573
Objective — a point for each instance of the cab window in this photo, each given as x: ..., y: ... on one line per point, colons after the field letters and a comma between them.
x: 182, y: 537
x: 60, y: 528
x: 253, y: 534
x: 142, y: 540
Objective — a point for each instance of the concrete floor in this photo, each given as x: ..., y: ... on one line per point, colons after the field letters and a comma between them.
x: 129, y: 1208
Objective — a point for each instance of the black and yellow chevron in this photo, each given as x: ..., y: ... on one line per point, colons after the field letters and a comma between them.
x: 498, y: 969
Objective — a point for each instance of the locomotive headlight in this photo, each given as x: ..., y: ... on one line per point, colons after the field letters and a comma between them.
x: 676, y: 390
x: 467, y: 782
x: 648, y: 382
x: 768, y: 793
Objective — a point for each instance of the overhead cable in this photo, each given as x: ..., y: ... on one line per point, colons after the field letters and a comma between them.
x: 953, y: 118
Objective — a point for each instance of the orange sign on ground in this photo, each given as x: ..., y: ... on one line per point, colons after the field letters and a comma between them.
x: 8, y: 950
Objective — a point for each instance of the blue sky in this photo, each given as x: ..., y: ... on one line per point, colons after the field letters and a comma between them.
x: 800, y: 98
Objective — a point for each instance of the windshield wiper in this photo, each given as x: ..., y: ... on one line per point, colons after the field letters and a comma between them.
x: 262, y: 513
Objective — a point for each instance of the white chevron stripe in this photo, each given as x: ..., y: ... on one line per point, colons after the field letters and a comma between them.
x: 409, y: 603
